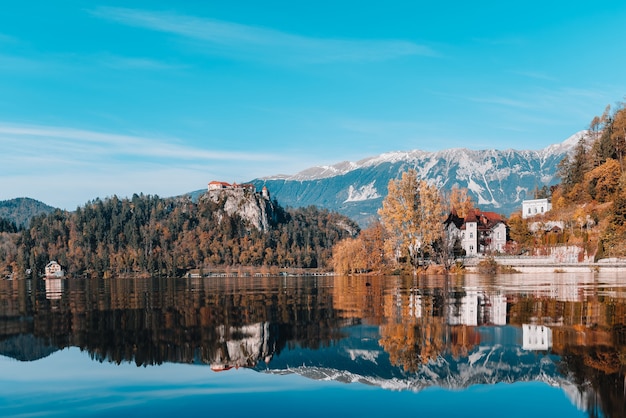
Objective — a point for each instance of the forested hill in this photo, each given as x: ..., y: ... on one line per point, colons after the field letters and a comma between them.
x: 153, y: 235
x: 22, y: 209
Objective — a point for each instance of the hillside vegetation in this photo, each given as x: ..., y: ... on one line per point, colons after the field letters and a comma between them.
x: 590, y: 201
x: 152, y: 235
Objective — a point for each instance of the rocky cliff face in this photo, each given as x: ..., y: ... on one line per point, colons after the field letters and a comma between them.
x: 249, y: 205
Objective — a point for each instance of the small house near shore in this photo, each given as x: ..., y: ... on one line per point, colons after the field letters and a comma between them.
x: 53, y: 270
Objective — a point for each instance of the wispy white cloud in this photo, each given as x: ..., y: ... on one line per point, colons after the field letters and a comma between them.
x: 93, y: 144
x: 66, y: 167
x: 20, y: 64
x: 252, y: 42
x: 134, y: 63
x: 558, y: 100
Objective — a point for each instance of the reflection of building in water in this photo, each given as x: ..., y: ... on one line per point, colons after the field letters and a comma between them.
x: 472, y: 307
x: 415, y: 304
x: 241, y: 346
x: 496, y: 308
x: 564, y: 287
x: 536, y: 337
x: 477, y: 308
x: 464, y: 310
x: 54, y: 288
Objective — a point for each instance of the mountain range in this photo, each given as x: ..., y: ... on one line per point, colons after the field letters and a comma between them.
x: 20, y: 210
x: 358, y: 357
x: 497, y: 180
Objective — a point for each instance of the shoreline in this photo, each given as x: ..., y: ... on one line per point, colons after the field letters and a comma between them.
x: 548, y: 265
x: 559, y: 268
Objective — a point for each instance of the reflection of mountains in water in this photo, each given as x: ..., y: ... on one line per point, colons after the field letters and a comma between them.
x: 398, y: 332
x: 359, y: 359
x: 25, y: 347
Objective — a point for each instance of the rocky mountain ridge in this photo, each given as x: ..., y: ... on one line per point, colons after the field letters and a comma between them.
x: 497, y: 180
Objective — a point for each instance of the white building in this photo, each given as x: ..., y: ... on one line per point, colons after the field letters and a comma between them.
x: 54, y: 269
x: 535, y: 207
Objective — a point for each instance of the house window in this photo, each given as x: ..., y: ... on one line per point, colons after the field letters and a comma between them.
x: 463, y: 235
x: 498, y: 234
x: 529, y: 211
x: 542, y: 209
x: 471, y: 248
x: 471, y: 235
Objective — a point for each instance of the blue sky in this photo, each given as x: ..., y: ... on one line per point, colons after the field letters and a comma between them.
x: 103, y: 98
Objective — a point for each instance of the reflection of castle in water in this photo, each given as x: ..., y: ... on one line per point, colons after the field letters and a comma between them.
x: 419, y: 332
x: 244, y: 348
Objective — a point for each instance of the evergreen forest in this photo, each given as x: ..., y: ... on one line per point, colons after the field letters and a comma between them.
x: 149, y: 235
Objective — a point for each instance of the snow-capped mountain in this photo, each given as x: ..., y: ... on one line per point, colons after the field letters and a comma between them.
x: 497, y: 180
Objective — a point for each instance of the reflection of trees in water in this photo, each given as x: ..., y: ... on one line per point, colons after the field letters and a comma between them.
x: 599, y: 375
x: 230, y: 322
x: 239, y: 322
x: 410, y: 346
x: 422, y: 319
x: 413, y: 314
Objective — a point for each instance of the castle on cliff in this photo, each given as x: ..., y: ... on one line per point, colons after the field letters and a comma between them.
x: 221, y: 185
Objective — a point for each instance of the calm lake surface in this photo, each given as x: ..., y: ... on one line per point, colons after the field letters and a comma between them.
x: 514, y: 345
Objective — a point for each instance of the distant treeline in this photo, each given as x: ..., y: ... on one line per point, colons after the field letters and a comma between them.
x: 20, y: 210
x: 152, y: 235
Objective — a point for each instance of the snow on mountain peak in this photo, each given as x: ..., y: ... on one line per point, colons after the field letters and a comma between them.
x: 496, y: 180
x: 362, y: 193
x: 567, y: 145
x: 463, y: 155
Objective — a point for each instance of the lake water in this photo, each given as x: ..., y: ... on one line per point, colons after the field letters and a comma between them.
x: 519, y: 345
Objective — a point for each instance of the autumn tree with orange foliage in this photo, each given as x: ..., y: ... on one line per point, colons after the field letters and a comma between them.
x: 362, y: 254
x: 590, y: 200
x: 412, y: 215
x: 460, y: 201
x: 411, y: 228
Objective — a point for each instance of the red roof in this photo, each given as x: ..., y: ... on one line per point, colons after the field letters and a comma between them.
x: 485, y: 220
x: 220, y: 183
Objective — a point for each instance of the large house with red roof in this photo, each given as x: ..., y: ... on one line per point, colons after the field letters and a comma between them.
x: 478, y: 233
